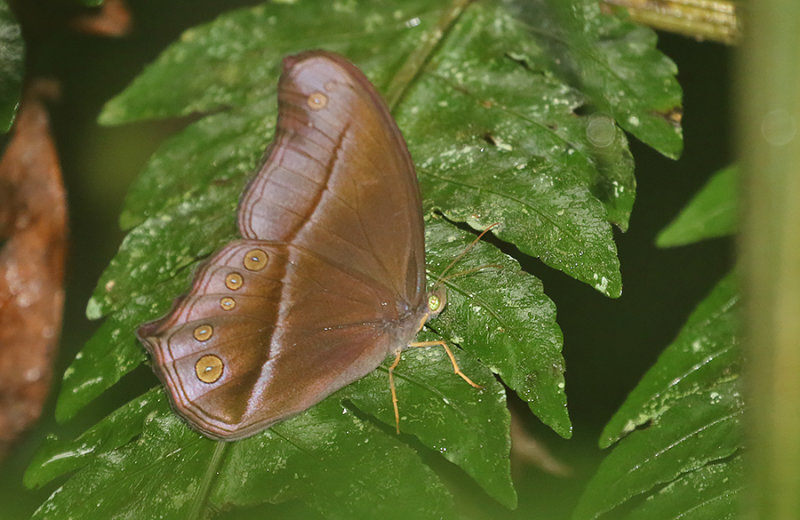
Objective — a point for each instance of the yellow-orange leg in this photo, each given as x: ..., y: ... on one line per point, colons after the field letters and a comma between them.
x: 394, y: 392
x: 456, y: 369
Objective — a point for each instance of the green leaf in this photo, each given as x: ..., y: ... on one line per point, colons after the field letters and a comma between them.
x: 215, y: 152
x: 498, y: 141
x: 339, y: 464
x: 707, y: 349
x: 499, y: 134
x: 696, y: 430
x: 554, y: 187
x: 55, y: 457
x: 502, y: 315
x: 113, y: 351
x: 711, y: 213
x: 207, y: 164
x: 709, y: 493
x: 444, y: 412
x: 688, y: 409
x: 617, y: 65
x: 12, y: 58
x: 163, y: 246
x: 519, y: 340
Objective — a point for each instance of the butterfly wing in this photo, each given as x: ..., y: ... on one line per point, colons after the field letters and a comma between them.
x: 329, y: 278
x: 274, y: 348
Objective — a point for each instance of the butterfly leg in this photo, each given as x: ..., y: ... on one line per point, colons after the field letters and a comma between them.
x: 394, y: 392
x: 442, y: 344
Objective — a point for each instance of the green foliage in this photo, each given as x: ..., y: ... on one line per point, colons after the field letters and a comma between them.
x: 500, y: 132
x: 12, y: 57
x: 698, y: 430
x: 506, y: 317
x: 721, y: 485
x: 711, y: 213
x: 707, y: 350
x: 326, y: 456
x: 682, y: 423
x: 618, y: 68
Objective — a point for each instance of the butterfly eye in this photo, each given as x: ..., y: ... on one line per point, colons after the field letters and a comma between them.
x: 233, y: 281
x: 203, y: 332
x: 434, y: 302
x: 317, y: 101
x: 255, y: 260
x: 209, y: 368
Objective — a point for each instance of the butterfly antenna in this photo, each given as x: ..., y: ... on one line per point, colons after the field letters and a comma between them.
x: 441, y: 277
x: 469, y: 271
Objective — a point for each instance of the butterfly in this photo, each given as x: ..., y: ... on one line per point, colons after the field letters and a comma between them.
x: 328, y: 278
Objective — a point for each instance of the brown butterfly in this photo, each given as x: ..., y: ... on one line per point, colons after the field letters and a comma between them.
x: 329, y: 277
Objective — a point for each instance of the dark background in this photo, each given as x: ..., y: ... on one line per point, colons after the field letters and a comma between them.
x: 608, y: 343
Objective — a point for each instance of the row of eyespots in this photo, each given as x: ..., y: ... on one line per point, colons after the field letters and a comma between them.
x: 210, y: 367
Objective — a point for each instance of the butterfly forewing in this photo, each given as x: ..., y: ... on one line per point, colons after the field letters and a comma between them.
x: 339, y: 179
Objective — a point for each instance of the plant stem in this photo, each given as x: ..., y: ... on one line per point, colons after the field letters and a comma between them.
x: 200, y: 505
x: 716, y: 20
x: 769, y: 117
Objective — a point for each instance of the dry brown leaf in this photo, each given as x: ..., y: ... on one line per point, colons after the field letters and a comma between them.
x: 34, y: 227
x: 112, y: 19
